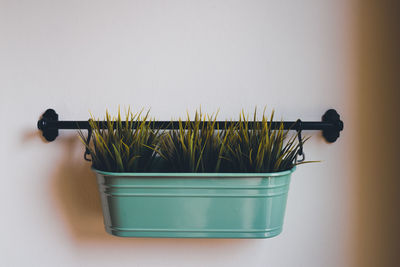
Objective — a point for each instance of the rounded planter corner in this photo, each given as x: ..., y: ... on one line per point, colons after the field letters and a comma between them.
x: 194, y: 205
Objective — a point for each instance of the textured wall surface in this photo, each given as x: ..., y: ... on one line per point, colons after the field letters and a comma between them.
x: 299, y: 57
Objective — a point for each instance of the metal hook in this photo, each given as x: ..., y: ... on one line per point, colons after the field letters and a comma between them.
x: 87, y: 151
x: 300, y: 152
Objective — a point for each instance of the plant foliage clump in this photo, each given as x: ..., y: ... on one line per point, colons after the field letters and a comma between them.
x: 123, y: 146
x: 254, y: 146
x: 196, y: 146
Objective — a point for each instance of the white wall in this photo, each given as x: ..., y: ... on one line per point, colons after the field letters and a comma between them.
x: 172, y: 56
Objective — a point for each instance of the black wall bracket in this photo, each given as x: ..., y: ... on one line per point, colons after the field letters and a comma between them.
x: 49, y: 133
x: 331, y: 125
x: 331, y: 134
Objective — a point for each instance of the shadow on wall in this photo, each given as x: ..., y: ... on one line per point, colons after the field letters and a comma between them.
x: 377, y: 239
x: 75, y: 191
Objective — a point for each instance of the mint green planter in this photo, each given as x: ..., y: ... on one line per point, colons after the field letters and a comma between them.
x: 194, y: 205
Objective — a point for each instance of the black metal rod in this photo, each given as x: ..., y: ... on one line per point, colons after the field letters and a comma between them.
x: 168, y: 125
x: 331, y: 125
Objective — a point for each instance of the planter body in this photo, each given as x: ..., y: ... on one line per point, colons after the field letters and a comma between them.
x: 194, y: 205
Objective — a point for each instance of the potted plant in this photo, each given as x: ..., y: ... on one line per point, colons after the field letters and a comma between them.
x: 195, y: 181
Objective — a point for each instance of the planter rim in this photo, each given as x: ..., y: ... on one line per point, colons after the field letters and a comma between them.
x: 197, y: 174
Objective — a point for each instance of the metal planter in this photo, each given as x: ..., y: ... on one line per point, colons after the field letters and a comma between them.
x: 194, y: 205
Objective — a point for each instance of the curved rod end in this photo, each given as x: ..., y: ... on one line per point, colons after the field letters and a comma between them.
x: 50, y: 134
x: 332, y: 133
